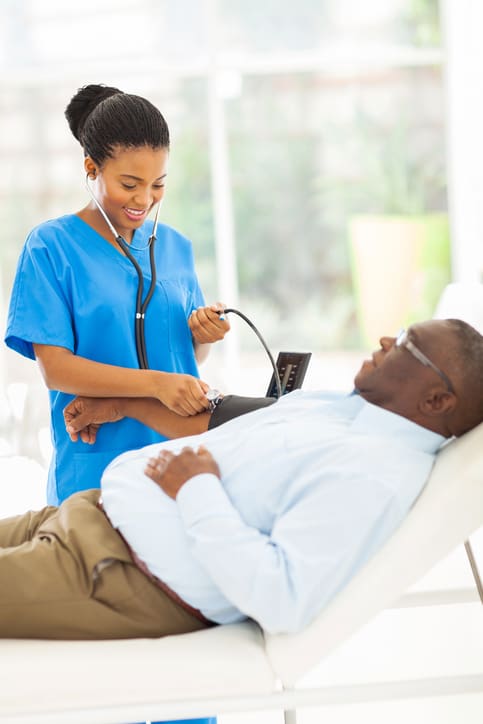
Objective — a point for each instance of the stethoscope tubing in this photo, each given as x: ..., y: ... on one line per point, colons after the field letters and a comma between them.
x: 141, y: 306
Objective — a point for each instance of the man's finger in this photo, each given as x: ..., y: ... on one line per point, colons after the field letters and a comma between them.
x: 77, y: 423
x: 86, y: 436
x: 186, y: 449
x: 157, y: 465
x: 153, y: 472
x: 164, y: 456
x: 202, y: 452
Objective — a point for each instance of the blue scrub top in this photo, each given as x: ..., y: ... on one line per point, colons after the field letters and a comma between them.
x: 73, y: 289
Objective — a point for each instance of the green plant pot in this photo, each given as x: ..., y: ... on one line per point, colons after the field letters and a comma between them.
x: 400, y: 266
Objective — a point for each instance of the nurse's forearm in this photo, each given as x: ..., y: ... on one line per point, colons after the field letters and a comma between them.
x: 76, y: 375
x: 201, y: 351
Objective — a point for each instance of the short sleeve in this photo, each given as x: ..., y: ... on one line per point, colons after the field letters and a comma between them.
x: 197, y: 297
x: 39, y: 309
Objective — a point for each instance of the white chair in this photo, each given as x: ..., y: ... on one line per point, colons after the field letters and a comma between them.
x: 462, y: 300
x: 238, y: 667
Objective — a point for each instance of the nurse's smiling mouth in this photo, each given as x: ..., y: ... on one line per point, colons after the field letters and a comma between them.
x: 135, y: 214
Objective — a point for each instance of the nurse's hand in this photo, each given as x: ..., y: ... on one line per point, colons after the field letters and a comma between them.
x: 84, y: 416
x: 184, y: 394
x: 208, y: 324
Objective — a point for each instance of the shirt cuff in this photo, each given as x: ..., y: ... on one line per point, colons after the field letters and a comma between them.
x: 202, y: 496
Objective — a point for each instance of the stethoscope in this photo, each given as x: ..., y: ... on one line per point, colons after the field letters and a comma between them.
x: 141, y: 306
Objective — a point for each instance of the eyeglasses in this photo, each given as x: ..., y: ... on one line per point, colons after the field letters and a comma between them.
x: 402, y: 340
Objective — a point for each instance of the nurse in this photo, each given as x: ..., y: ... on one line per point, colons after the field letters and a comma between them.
x: 73, y: 303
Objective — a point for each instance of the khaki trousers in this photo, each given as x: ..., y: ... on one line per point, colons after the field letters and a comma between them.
x: 66, y: 574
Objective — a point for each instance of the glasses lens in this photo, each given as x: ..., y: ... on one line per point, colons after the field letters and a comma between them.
x: 401, y: 337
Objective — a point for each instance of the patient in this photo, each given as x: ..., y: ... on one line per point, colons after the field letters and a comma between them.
x: 267, y: 516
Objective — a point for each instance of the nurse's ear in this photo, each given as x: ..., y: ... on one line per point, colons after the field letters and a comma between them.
x: 90, y: 167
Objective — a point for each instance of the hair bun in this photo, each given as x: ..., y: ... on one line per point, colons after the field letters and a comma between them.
x: 83, y: 103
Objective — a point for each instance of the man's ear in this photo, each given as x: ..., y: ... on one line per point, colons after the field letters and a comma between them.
x: 90, y: 167
x: 437, y: 401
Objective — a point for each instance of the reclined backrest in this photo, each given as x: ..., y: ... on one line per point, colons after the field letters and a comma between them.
x: 448, y: 510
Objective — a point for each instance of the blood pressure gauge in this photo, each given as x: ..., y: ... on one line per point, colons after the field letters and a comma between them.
x: 214, y: 397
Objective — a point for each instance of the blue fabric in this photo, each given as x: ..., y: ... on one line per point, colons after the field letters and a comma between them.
x: 210, y: 720
x: 73, y: 289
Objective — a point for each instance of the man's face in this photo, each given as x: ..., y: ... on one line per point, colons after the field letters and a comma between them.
x: 393, y: 378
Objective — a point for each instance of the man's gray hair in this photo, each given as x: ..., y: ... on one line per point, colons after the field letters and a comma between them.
x: 469, y: 364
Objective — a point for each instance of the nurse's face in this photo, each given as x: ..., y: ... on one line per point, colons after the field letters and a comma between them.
x: 129, y: 184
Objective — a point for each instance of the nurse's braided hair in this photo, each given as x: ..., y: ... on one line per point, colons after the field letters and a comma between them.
x: 102, y: 118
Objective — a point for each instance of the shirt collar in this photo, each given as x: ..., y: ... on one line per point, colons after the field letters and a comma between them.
x: 376, y: 419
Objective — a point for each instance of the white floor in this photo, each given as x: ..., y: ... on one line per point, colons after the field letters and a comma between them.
x: 399, y: 644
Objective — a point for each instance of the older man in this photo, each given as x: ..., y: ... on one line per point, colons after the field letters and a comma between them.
x: 266, y: 516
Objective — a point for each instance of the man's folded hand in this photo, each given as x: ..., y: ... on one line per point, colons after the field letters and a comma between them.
x: 171, y: 471
x: 84, y: 416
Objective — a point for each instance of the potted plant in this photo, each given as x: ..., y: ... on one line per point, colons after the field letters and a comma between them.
x: 399, y: 245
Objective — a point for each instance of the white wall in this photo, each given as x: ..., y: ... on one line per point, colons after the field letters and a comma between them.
x: 462, y: 22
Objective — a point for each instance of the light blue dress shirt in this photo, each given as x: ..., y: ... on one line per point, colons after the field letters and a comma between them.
x: 310, y: 488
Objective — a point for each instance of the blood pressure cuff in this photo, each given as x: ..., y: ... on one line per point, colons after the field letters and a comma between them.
x: 233, y: 405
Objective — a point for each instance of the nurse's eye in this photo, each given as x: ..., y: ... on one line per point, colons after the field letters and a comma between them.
x: 158, y: 186
x: 128, y: 186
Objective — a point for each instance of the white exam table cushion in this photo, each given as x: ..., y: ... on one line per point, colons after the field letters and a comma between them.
x: 41, y: 676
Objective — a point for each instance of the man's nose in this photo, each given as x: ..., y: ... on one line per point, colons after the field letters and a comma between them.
x: 387, y: 343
